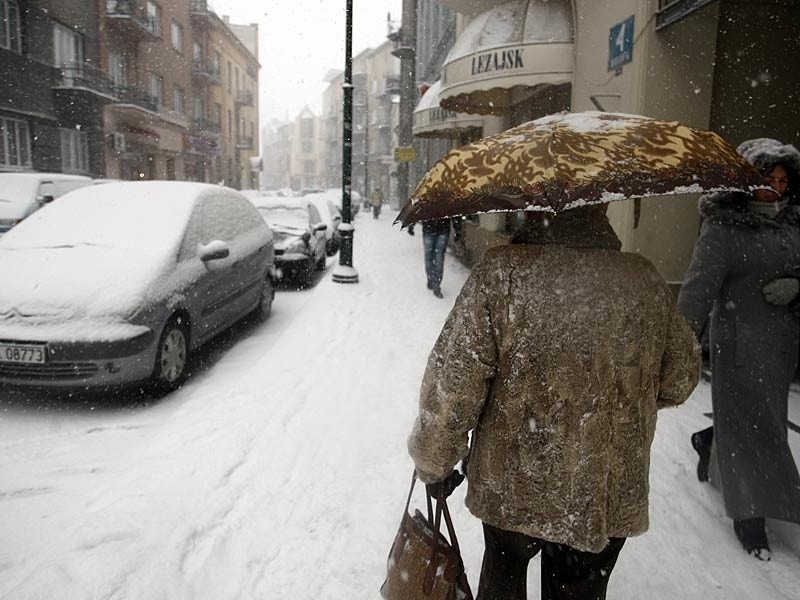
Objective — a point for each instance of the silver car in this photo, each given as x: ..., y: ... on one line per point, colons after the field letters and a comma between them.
x: 119, y: 283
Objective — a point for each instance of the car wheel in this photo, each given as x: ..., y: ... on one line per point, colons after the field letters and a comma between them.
x: 172, y: 357
x: 264, y: 308
x: 321, y: 263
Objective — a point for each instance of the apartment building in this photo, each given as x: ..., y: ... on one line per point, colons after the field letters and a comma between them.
x: 50, y: 117
x: 234, y: 104
x: 122, y: 89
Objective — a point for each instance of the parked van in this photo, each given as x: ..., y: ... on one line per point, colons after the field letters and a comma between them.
x: 24, y: 193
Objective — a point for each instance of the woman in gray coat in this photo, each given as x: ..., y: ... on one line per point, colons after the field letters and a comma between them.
x: 743, y: 283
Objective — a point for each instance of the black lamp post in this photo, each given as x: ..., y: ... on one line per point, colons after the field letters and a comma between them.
x: 344, y: 272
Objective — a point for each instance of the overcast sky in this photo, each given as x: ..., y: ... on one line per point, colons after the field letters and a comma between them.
x: 300, y: 40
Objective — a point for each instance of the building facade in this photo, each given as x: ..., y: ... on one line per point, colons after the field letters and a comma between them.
x: 713, y: 64
x: 122, y: 89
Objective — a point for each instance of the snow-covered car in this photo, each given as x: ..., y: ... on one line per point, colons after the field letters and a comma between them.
x: 299, y: 234
x: 119, y: 283
x: 355, y: 200
x: 21, y: 194
x: 331, y: 216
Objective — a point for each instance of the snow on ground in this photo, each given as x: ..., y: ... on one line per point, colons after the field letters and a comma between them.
x: 280, y: 469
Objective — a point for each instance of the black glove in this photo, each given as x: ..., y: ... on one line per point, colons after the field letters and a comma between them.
x: 410, y: 231
x: 446, y: 486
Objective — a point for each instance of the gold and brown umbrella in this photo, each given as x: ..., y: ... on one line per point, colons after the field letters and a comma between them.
x: 570, y: 159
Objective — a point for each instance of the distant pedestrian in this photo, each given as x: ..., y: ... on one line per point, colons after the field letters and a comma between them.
x: 435, y: 235
x: 376, y: 200
x: 557, y: 355
x: 743, y: 284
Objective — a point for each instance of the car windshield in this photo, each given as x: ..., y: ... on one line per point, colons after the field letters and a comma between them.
x: 294, y: 217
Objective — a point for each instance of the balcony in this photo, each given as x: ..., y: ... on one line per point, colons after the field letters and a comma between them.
x: 126, y: 18
x: 200, y: 14
x: 244, y: 98
x: 82, y: 78
x: 244, y: 143
x: 203, y: 125
x: 205, y: 71
x: 391, y: 85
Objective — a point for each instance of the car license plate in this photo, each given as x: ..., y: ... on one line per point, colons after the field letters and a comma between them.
x: 23, y: 353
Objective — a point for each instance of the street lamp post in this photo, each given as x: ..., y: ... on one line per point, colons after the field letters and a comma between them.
x: 344, y: 272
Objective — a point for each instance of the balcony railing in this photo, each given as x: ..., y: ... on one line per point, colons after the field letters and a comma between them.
x: 244, y: 98
x: 82, y: 75
x: 391, y: 85
x: 244, y: 143
x: 199, y: 6
x: 129, y: 18
x: 205, y: 125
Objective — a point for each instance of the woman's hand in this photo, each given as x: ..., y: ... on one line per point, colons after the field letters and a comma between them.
x: 781, y: 291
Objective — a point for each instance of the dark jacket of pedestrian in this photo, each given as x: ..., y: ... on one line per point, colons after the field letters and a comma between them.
x: 557, y: 355
x: 753, y: 344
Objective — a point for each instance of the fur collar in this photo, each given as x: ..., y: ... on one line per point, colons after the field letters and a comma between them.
x: 730, y: 208
x: 571, y: 228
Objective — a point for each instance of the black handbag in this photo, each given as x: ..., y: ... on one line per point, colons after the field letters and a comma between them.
x: 422, y: 564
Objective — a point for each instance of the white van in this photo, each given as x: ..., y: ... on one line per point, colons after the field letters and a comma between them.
x: 24, y: 193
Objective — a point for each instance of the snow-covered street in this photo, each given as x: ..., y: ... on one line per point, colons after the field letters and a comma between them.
x: 280, y: 469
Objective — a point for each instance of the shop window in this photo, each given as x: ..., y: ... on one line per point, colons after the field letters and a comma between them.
x: 74, y: 151
x: 15, y: 143
x: 10, y: 36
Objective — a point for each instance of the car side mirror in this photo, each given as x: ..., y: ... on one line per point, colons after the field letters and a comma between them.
x: 45, y: 199
x: 215, y: 250
x: 320, y: 227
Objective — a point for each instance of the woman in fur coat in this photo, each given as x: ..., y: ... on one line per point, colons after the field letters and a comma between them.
x: 743, y: 283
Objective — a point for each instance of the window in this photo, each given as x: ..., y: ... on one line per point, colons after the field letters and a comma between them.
x: 177, y: 36
x: 218, y: 115
x: 230, y: 77
x: 74, y: 151
x: 155, y: 84
x: 307, y: 128
x: 10, y: 37
x: 15, y: 143
x: 216, y: 61
x: 306, y: 146
x: 197, y: 53
x: 153, y: 18
x: 67, y: 48
x: 178, y: 100
x: 117, y: 69
x: 199, y: 108
x: 308, y: 167
x: 237, y: 78
x: 230, y: 125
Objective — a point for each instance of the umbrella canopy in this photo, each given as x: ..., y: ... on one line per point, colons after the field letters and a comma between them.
x: 567, y: 160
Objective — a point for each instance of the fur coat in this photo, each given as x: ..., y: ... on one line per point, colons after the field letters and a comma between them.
x: 556, y: 356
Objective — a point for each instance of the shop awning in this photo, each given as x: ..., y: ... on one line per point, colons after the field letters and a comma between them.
x: 503, y: 52
x: 431, y: 120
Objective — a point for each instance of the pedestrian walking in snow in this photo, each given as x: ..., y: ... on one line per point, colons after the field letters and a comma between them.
x: 557, y: 354
x: 376, y: 200
x: 743, y: 284
x: 435, y: 235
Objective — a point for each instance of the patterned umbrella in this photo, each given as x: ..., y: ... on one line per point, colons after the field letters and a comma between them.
x: 567, y: 160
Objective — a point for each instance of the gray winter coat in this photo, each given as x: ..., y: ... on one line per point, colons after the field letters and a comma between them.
x: 754, y: 351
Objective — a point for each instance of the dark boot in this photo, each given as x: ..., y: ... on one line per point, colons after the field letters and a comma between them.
x: 701, y: 442
x: 437, y: 292
x: 753, y: 536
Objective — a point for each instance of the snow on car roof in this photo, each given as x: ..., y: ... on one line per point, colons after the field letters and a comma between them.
x: 136, y: 215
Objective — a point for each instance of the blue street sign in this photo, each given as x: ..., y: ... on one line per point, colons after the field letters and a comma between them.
x: 620, y: 44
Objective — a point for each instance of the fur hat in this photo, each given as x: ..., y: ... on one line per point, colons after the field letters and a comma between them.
x: 765, y: 153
